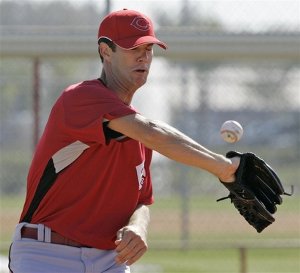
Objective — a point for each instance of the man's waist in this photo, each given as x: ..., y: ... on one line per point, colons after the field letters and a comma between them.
x: 54, y: 237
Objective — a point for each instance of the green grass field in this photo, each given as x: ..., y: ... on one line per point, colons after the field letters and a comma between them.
x: 214, y: 234
x: 223, y: 261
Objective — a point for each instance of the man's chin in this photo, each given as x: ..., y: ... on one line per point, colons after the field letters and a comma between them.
x: 140, y: 83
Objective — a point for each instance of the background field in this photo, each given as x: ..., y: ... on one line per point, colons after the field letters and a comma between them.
x: 220, y: 261
x: 216, y: 236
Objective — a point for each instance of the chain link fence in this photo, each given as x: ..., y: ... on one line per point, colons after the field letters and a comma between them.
x: 263, y: 97
x: 195, y: 97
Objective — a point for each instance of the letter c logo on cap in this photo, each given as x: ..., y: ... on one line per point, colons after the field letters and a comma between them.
x: 140, y: 23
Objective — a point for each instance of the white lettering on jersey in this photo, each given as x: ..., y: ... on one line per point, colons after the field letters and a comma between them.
x: 141, y: 174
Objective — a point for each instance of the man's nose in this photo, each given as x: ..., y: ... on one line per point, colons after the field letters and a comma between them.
x: 145, y: 56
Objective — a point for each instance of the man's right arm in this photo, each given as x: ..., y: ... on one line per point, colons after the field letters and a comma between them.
x: 175, y: 145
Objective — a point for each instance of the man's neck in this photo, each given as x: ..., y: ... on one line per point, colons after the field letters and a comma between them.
x: 125, y: 96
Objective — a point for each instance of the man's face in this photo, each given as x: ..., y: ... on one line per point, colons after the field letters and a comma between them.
x: 130, y: 68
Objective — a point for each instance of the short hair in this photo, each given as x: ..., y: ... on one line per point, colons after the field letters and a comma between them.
x: 109, y: 42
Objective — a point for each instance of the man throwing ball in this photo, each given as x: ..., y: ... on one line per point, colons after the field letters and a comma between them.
x: 89, y: 184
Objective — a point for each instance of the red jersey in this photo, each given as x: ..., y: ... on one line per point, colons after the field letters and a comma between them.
x: 85, y: 180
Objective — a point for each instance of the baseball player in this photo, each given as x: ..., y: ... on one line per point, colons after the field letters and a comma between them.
x: 89, y: 184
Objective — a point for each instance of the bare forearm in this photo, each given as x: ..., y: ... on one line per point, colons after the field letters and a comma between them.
x: 131, y: 243
x: 140, y: 218
x: 179, y: 147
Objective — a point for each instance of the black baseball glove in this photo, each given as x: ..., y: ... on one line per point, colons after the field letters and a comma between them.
x: 256, y: 191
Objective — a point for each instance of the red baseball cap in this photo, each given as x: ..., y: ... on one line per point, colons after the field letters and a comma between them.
x: 128, y: 29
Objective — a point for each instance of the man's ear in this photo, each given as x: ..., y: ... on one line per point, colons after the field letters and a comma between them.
x: 105, y: 51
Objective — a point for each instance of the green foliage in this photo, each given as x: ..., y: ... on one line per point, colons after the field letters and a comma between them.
x: 49, y: 13
x: 14, y: 169
x: 15, y: 95
x: 188, y: 15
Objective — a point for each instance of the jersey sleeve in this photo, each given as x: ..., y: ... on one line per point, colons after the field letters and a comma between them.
x: 86, y: 107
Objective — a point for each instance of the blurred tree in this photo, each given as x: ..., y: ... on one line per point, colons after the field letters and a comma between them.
x: 268, y: 90
x: 189, y: 15
x: 49, y: 13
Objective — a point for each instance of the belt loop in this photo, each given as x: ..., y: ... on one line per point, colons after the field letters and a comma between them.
x: 17, y: 234
x: 47, y: 234
x: 40, y: 231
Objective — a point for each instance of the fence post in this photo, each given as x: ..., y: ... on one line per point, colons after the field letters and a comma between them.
x: 243, y: 260
x: 36, y: 101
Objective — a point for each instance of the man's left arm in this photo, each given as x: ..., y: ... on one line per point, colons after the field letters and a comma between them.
x: 132, y: 239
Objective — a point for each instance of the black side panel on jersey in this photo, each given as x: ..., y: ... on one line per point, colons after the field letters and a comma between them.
x: 109, y: 133
x: 47, y: 180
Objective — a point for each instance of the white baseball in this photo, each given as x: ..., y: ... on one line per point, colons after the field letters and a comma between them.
x: 231, y: 131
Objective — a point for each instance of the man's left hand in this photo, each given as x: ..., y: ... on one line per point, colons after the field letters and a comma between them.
x: 131, y: 245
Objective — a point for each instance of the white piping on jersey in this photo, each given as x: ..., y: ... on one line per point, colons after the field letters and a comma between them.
x: 67, y: 155
x: 120, y: 138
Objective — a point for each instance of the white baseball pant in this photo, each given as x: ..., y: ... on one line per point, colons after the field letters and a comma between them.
x: 42, y: 256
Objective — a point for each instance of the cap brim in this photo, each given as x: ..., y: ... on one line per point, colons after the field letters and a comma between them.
x: 131, y: 43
